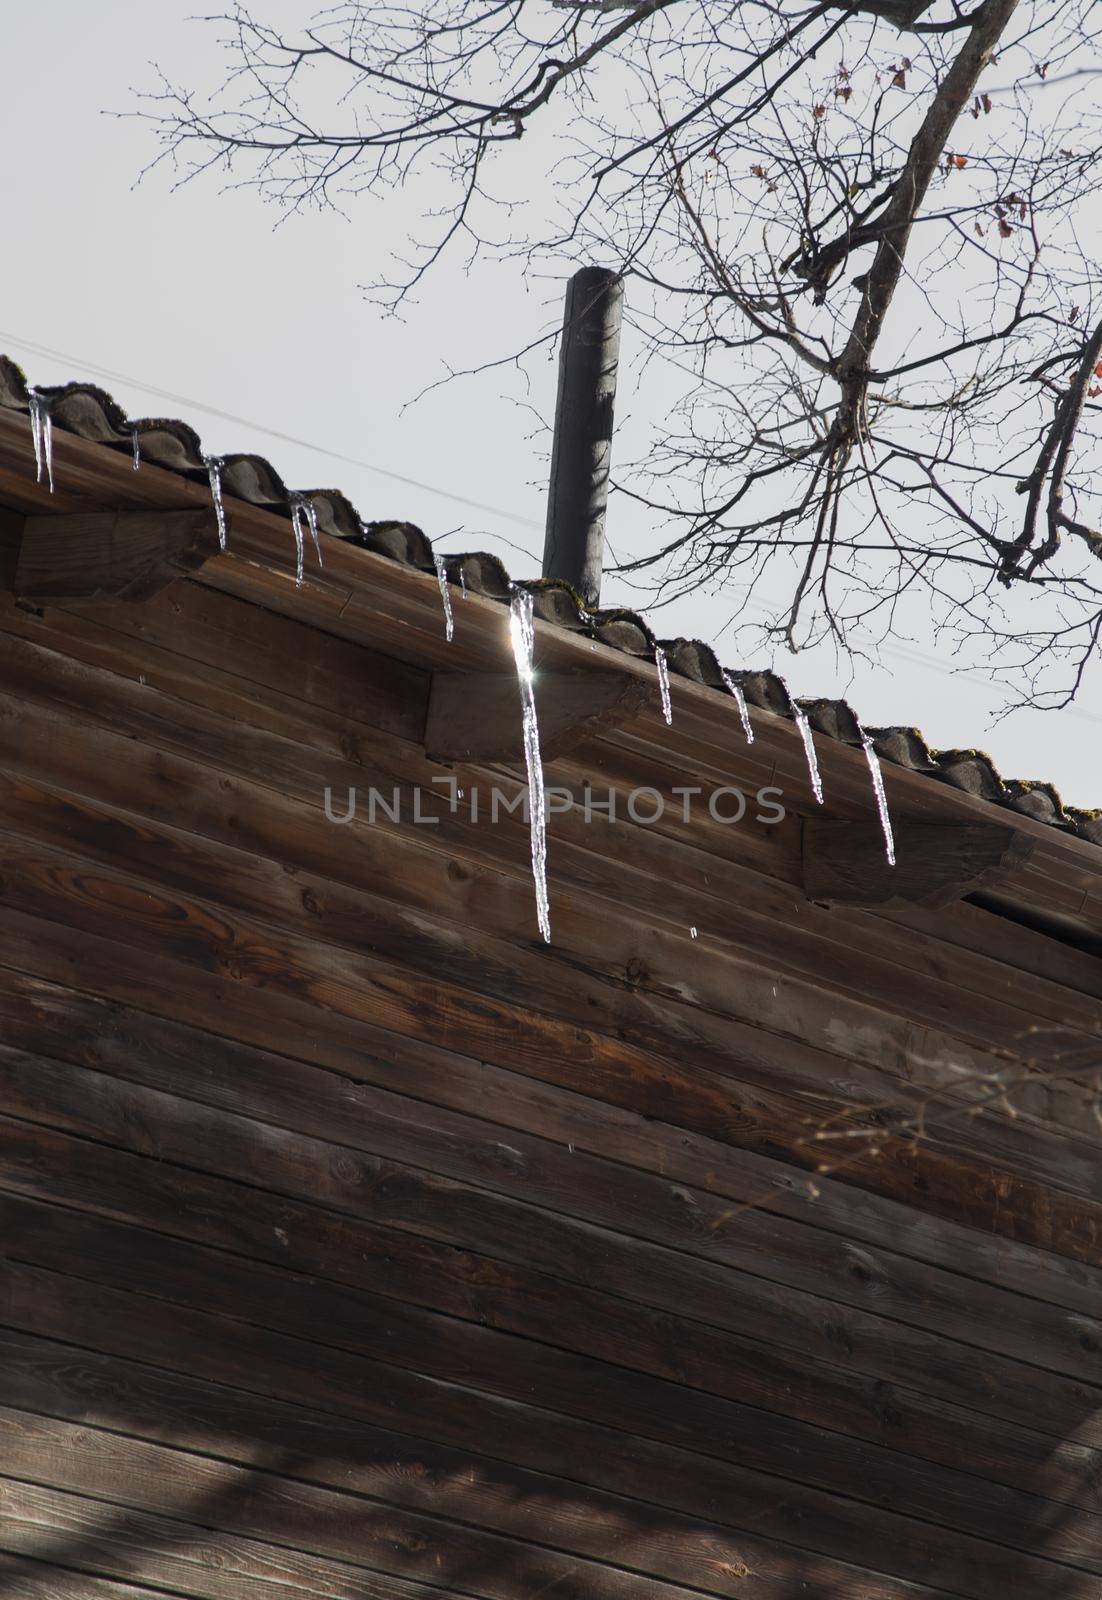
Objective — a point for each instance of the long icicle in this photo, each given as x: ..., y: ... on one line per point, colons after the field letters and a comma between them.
x: 740, y: 701
x: 445, y: 594
x: 799, y: 716
x: 42, y: 432
x: 135, y: 439
x: 523, y: 638
x: 213, y: 465
x: 663, y: 682
x: 881, y: 796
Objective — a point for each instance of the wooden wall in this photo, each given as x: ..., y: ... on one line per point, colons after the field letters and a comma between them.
x: 356, y: 1245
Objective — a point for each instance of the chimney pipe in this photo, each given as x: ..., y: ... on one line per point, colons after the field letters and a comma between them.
x: 582, y: 449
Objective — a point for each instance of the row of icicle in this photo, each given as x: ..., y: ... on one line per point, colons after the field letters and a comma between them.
x: 303, y: 512
x: 522, y: 635
x: 522, y: 638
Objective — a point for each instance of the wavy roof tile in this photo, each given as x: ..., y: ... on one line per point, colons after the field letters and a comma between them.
x: 88, y: 411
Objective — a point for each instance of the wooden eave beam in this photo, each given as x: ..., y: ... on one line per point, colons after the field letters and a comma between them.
x: 845, y: 863
x: 477, y: 716
x: 110, y: 555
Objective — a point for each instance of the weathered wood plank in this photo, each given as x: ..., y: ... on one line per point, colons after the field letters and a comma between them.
x: 270, y: 827
x: 904, y: 989
x: 866, y: 1533
x: 519, y: 1299
x: 136, y: 912
x: 427, y: 1241
x: 340, y: 1175
x: 337, y: 909
x: 118, y: 1540
x: 640, y: 837
x: 255, y: 1502
x: 24, y: 1579
x: 246, y: 1428
x: 109, y: 1538
x: 50, y: 1020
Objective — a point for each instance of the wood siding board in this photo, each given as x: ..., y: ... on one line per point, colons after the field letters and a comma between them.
x: 255, y: 1357
x: 869, y: 1367
x: 136, y: 912
x: 67, y: 1025
x: 354, y: 1242
x: 825, y: 957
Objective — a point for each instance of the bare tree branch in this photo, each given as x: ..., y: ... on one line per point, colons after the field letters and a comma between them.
x: 872, y: 271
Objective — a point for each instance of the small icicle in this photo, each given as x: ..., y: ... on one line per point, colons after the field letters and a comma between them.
x: 296, y: 524
x: 740, y: 701
x: 881, y: 797
x: 663, y: 682
x: 462, y: 583
x: 135, y: 439
x: 303, y: 510
x: 522, y: 635
x: 800, y: 719
x: 445, y: 595
x: 692, y: 932
x: 315, y: 536
x: 213, y: 465
x: 42, y: 432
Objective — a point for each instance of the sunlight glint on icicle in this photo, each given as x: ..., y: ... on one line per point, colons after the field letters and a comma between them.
x: 522, y: 635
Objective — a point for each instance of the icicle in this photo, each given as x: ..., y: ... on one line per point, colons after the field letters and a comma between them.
x: 303, y: 509
x: 881, y: 797
x: 740, y: 701
x: 445, y: 595
x: 809, y: 750
x: 462, y: 583
x: 692, y: 932
x: 213, y: 465
x: 522, y: 635
x: 315, y: 536
x: 136, y: 442
x: 800, y: 719
x: 663, y: 682
x: 42, y: 432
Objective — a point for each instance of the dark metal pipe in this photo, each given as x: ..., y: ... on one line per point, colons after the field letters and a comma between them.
x: 581, y: 453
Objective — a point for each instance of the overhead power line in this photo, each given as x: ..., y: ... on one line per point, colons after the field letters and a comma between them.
x: 189, y: 403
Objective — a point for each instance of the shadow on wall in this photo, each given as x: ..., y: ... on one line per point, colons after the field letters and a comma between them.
x: 119, y: 1471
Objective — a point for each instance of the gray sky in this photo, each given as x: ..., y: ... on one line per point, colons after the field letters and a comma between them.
x: 197, y: 294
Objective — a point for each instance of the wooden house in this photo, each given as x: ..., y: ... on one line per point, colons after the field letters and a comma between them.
x: 359, y: 1243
